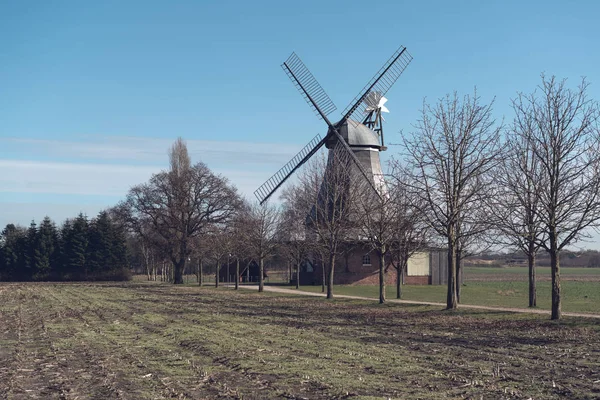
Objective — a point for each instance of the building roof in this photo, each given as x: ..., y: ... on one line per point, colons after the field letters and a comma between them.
x: 356, y: 134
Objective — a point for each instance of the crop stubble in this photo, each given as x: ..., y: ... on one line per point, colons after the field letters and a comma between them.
x: 139, y: 340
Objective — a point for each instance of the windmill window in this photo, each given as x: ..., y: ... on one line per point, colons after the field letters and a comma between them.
x: 367, y: 259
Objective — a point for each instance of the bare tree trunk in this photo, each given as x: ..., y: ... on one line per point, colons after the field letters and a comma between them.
x: 153, y: 268
x: 146, y: 255
x: 217, y: 269
x: 330, y: 276
x: 237, y: 273
x: 200, y: 277
x: 458, y: 268
x: 178, y: 268
x: 324, y: 275
x: 261, y: 273
x: 290, y: 271
x: 555, y: 268
x: 298, y: 276
x: 381, y: 277
x: 451, y: 300
x: 403, y: 272
x: 400, y: 276
x: 531, y: 264
x: 398, y: 282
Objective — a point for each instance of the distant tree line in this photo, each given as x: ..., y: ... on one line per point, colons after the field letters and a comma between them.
x: 80, y: 250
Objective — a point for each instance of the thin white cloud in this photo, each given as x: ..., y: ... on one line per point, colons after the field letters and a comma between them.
x: 70, y: 178
x: 90, y: 166
x: 149, y: 150
x: 82, y: 183
x: 96, y: 179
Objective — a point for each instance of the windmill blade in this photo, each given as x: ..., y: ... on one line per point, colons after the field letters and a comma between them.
x: 308, y: 87
x: 273, y: 183
x: 380, y: 83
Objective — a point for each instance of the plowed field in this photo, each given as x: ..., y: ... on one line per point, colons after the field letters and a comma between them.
x: 152, y: 341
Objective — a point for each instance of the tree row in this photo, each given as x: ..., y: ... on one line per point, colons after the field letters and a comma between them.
x: 78, y: 250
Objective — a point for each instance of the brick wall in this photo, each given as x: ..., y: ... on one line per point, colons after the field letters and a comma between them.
x: 349, y: 270
x: 417, y: 280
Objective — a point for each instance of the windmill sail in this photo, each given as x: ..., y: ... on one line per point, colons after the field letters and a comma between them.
x: 381, y: 82
x: 308, y: 86
x: 273, y: 183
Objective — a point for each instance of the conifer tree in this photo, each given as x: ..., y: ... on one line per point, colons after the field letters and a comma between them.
x: 31, y: 241
x: 74, y: 248
x: 99, y: 248
x: 12, y: 260
x: 45, y: 250
x: 119, y: 262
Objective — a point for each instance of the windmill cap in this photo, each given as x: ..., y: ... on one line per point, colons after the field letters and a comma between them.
x: 357, y: 135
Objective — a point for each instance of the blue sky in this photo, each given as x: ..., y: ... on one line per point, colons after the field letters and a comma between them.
x: 93, y: 93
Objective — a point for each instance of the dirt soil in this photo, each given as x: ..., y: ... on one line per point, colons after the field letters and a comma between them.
x: 150, y: 341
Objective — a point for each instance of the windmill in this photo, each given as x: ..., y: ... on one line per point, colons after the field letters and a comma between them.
x: 362, y: 141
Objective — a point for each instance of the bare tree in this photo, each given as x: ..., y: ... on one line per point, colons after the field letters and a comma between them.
x: 200, y: 251
x: 238, y: 244
x: 565, y: 140
x: 515, y: 207
x: 178, y: 204
x: 456, y: 143
x: 475, y: 232
x: 261, y: 228
x: 219, y: 241
x: 326, y: 190
x: 297, y: 244
x: 379, y: 214
x: 409, y: 228
x: 149, y: 258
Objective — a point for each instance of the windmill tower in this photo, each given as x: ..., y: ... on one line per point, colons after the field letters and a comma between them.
x: 359, y: 134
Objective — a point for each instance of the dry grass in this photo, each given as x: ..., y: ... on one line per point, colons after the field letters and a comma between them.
x: 154, y: 341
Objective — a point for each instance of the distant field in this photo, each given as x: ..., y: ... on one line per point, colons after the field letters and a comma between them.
x: 577, y: 296
x: 521, y: 273
x: 156, y: 341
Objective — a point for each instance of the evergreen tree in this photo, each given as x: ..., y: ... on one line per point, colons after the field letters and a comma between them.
x: 8, y: 256
x: 119, y: 261
x: 29, y: 254
x: 61, y: 270
x: 99, y: 248
x: 74, y: 239
x: 46, y: 250
x: 12, y: 260
x: 78, y: 251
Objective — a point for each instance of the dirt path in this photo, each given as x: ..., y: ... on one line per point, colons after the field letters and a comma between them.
x: 276, y: 289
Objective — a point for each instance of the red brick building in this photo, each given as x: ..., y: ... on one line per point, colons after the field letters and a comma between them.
x: 360, y: 266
